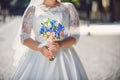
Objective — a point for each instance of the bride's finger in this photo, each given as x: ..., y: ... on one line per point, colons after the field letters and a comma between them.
x: 50, y: 45
x: 49, y: 56
x: 53, y: 50
x: 52, y: 53
x: 54, y: 44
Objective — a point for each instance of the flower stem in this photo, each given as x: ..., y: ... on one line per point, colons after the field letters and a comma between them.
x: 52, y: 59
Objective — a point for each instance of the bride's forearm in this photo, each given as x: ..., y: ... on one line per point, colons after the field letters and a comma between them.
x: 68, y: 42
x: 30, y: 43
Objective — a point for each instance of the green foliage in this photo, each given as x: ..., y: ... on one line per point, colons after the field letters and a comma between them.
x: 12, y: 2
x: 66, y: 0
x: 75, y: 2
x: 26, y: 1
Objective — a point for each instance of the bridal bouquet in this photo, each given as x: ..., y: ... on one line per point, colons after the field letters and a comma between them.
x: 51, y: 30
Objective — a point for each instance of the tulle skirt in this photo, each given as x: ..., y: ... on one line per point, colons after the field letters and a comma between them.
x: 66, y: 66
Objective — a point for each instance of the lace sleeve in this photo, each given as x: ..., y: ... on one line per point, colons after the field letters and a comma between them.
x: 27, y: 23
x: 74, y: 22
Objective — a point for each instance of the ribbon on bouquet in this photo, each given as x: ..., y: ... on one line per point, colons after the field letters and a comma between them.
x: 43, y: 44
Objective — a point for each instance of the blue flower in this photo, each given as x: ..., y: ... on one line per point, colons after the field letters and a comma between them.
x: 49, y: 29
x: 53, y: 22
x: 60, y: 27
x: 56, y: 33
x: 41, y: 30
x: 45, y: 28
x: 53, y: 27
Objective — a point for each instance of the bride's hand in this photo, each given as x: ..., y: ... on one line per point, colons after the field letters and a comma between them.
x: 47, y: 53
x: 54, y: 46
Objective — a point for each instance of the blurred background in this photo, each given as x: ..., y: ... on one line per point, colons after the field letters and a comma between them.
x: 92, y: 10
x: 98, y: 47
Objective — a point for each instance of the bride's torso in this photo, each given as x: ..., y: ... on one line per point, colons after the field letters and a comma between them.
x: 59, y: 13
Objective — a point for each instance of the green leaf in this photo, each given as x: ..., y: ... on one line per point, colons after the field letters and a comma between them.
x: 54, y: 28
x: 42, y: 24
x: 52, y: 59
x: 45, y: 36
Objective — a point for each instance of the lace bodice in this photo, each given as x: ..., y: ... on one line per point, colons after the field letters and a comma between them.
x: 65, y: 13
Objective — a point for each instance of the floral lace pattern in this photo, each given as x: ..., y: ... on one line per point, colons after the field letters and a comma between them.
x: 27, y: 23
x: 74, y: 22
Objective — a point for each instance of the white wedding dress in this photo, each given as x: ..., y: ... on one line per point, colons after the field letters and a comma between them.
x: 66, y: 65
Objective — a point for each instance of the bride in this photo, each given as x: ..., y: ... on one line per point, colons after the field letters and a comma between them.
x: 51, y: 55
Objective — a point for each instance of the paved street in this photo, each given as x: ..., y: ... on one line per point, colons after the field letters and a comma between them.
x: 99, y: 52
x: 100, y: 56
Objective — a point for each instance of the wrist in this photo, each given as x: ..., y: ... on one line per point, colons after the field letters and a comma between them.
x: 40, y: 49
x: 41, y: 46
x: 60, y: 44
